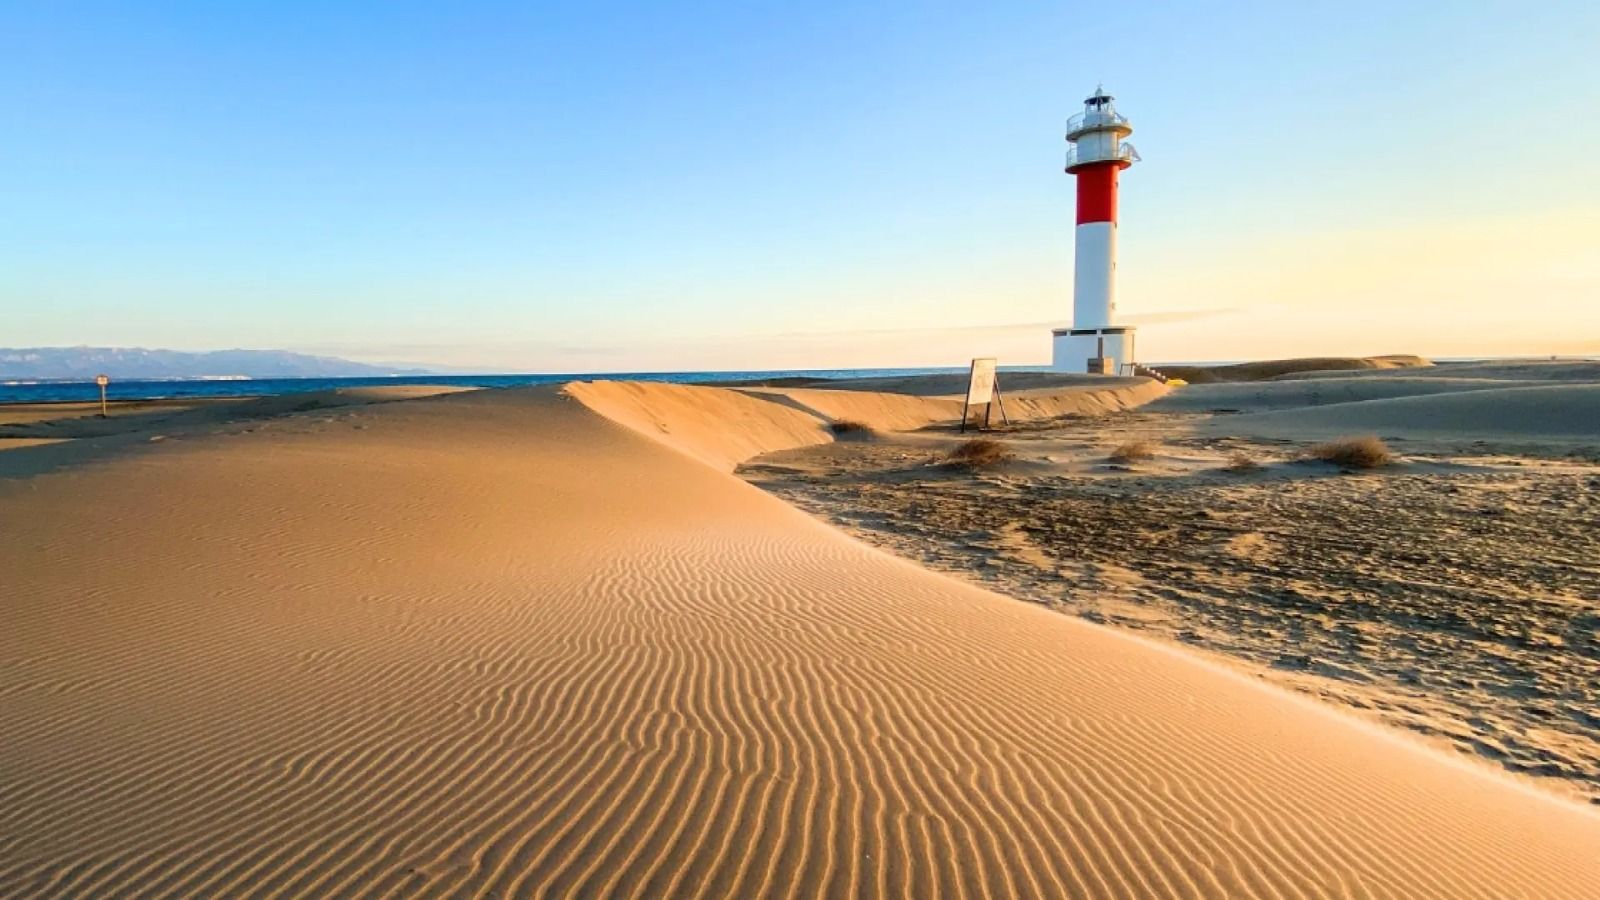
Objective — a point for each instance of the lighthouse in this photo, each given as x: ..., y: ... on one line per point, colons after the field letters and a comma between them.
x: 1096, y: 155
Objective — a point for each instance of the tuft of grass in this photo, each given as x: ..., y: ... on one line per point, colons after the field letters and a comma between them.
x: 1363, y: 452
x: 1133, y: 450
x: 1242, y: 462
x: 849, y: 426
x: 979, y: 452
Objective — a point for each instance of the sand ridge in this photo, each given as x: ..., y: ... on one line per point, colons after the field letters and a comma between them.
x: 1312, y: 367
x: 497, y: 644
x: 725, y: 426
x: 1539, y: 412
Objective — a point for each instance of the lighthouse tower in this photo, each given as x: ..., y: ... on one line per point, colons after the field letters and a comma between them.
x: 1096, y: 154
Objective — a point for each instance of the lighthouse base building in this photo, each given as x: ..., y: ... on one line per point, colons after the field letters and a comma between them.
x: 1101, y: 351
x: 1096, y: 156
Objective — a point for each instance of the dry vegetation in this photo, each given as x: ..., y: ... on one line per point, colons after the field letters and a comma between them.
x: 1363, y: 452
x: 1243, y: 462
x: 849, y: 426
x: 979, y: 452
x: 1133, y: 451
x: 1451, y: 610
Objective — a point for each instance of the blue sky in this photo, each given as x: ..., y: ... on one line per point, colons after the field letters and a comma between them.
x: 570, y: 187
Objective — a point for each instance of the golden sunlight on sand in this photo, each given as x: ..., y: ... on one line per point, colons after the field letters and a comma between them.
x: 540, y: 642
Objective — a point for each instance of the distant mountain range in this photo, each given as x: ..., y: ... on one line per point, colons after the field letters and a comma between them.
x: 84, y: 363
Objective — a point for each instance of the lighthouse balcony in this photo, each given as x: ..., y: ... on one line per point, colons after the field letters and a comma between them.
x: 1078, y: 157
x: 1098, y: 120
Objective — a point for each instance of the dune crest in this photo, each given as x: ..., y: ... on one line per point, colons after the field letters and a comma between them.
x: 1293, y: 368
x: 726, y: 426
x: 498, y: 644
x: 1549, y: 412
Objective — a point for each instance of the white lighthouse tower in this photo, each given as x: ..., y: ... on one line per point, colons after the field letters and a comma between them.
x: 1096, y: 155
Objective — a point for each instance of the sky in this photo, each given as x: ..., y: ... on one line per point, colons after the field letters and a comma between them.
x: 572, y: 187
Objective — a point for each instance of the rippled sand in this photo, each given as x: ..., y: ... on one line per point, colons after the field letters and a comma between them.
x: 531, y: 643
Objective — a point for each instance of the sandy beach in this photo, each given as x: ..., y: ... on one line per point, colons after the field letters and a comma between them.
x: 546, y: 642
x: 1453, y: 592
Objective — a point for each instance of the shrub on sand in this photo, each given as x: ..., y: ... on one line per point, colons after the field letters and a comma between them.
x: 979, y: 452
x: 849, y: 426
x: 1364, y: 452
x: 1133, y: 450
x: 1242, y: 462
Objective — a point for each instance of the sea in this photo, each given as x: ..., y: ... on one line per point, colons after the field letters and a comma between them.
x: 177, y: 388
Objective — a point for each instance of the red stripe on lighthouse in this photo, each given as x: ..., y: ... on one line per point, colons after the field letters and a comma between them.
x: 1097, y: 192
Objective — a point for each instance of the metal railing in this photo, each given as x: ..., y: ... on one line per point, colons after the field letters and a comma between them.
x: 1123, y: 152
x: 1093, y: 119
x: 1140, y: 369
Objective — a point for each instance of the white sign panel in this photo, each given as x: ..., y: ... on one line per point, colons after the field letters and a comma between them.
x: 980, y: 389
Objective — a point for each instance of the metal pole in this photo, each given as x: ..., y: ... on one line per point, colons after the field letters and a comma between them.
x: 967, y: 403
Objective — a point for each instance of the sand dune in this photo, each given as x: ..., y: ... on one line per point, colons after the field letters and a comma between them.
x: 1312, y: 367
x: 1496, y: 369
x: 879, y: 410
x: 723, y: 426
x: 498, y: 644
x: 898, y: 412
x: 955, y: 384
x: 1560, y: 413
x: 1261, y: 396
x: 81, y: 420
x: 1048, y: 403
x: 718, y: 427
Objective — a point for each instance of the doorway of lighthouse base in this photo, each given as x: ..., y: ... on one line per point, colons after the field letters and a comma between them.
x: 1098, y: 351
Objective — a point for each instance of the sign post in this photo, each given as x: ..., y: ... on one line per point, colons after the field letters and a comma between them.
x: 983, y: 386
x: 102, y: 381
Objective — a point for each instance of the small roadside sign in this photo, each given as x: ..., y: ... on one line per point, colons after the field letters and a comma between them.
x: 980, y: 385
x: 102, y: 381
x: 983, y: 386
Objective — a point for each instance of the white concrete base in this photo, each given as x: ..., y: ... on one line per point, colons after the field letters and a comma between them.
x: 1072, y: 348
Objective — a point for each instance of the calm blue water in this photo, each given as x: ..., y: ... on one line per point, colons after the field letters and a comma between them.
x: 260, y: 387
